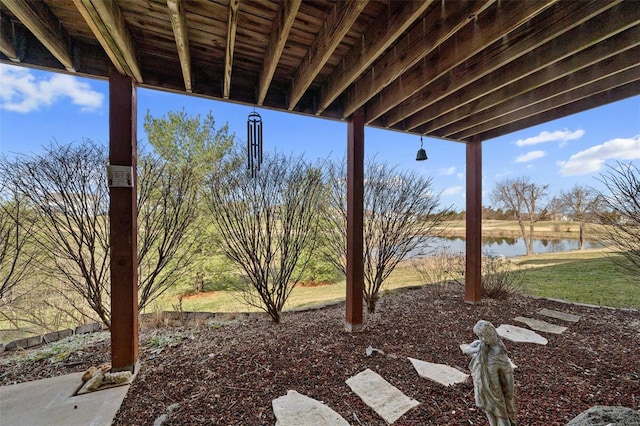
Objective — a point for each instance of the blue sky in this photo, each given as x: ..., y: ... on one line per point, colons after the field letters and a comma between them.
x: 38, y: 107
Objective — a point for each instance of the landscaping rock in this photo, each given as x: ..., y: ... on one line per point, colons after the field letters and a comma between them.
x: 559, y: 315
x: 519, y: 334
x: 602, y: 415
x: 543, y: 326
x: 27, y: 342
x: 439, y: 373
x: 295, y: 409
x: 384, y: 398
x: 57, y: 335
x: 89, y: 328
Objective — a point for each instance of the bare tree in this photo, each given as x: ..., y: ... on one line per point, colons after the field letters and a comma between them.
x: 267, y: 224
x: 67, y: 187
x: 523, y: 197
x: 16, y: 251
x: 622, y: 196
x: 581, y: 203
x: 401, y: 217
x: 167, y: 209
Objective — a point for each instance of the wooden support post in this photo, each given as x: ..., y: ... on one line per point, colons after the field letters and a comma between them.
x: 355, y: 218
x: 123, y: 218
x: 473, y: 273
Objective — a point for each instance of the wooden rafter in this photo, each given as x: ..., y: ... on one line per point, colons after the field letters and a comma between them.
x: 379, y: 36
x: 36, y: 16
x: 549, y: 97
x: 7, y: 40
x: 179, y: 24
x: 494, y: 92
x: 107, y: 23
x: 436, y: 27
x: 232, y: 24
x: 575, y: 106
x: 491, y: 25
x: 338, y: 23
x: 277, y: 40
x: 553, y: 38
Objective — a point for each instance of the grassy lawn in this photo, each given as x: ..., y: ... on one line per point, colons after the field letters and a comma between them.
x: 587, y: 276
x: 581, y: 276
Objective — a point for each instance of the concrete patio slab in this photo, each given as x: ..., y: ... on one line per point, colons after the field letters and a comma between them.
x: 439, y: 373
x: 50, y: 402
x: 565, y: 316
x: 539, y: 325
x: 519, y: 334
x: 294, y: 409
x: 384, y: 398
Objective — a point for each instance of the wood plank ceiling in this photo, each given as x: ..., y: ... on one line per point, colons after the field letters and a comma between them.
x: 444, y: 68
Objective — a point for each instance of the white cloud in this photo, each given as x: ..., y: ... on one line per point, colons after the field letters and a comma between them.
x: 22, y: 92
x: 453, y: 190
x: 530, y: 156
x: 592, y: 159
x: 447, y: 171
x: 559, y: 135
x: 460, y: 175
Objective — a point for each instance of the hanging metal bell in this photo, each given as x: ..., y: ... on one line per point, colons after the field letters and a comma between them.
x: 422, y: 155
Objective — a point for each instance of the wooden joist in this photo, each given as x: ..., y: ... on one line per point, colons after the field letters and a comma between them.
x: 491, y: 25
x: 551, y: 38
x: 436, y: 27
x: 572, y: 107
x: 7, y: 40
x: 337, y: 25
x: 493, y: 92
x: 36, y: 16
x: 232, y: 24
x: 179, y: 25
x: 110, y: 29
x: 277, y: 40
x: 381, y: 34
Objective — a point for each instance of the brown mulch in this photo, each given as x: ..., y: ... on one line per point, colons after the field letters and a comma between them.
x: 229, y: 374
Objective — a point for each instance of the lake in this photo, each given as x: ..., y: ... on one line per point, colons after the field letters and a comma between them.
x: 510, y: 247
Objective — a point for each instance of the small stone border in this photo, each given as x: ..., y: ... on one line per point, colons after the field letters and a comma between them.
x: 33, y: 341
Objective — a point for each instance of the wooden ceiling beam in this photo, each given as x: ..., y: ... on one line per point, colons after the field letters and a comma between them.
x: 378, y: 37
x: 108, y: 25
x: 490, y: 26
x: 36, y: 16
x: 232, y: 24
x: 277, y: 40
x: 179, y: 24
x: 437, y: 26
x: 481, y: 96
x: 7, y: 40
x: 550, y: 97
x: 512, y: 55
x: 593, y: 101
x: 338, y: 23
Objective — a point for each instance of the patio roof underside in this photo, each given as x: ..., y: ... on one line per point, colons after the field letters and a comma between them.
x: 460, y: 70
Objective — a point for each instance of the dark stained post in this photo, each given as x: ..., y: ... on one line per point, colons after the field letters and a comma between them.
x: 355, y: 214
x: 473, y: 273
x: 123, y: 218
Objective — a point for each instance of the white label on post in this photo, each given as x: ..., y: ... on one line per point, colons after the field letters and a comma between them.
x: 120, y: 176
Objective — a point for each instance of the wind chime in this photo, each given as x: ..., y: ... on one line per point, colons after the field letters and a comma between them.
x: 254, y: 143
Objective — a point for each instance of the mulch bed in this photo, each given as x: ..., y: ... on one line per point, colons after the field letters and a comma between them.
x: 229, y: 373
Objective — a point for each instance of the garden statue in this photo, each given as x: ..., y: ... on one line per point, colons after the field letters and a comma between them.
x: 492, y: 374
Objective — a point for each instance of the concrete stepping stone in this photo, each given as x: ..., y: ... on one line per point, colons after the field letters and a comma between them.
x: 565, y: 316
x: 294, y: 409
x: 543, y: 326
x: 519, y: 334
x: 439, y: 373
x: 384, y: 398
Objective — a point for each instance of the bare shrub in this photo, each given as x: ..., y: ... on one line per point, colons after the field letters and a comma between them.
x: 440, y: 268
x: 501, y: 278
x: 268, y: 225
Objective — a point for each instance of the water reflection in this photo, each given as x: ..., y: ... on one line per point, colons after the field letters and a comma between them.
x: 509, y: 246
